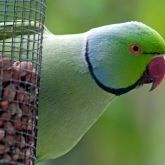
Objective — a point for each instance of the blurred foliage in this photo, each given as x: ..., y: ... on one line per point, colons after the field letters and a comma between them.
x: 132, y: 131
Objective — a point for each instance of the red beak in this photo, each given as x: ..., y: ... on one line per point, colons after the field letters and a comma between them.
x: 155, y: 72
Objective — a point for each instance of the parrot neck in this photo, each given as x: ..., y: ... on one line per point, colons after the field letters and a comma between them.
x: 70, y: 100
x: 69, y: 50
x: 70, y: 53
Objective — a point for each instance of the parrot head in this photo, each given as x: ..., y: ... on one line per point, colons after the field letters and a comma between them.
x: 124, y: 56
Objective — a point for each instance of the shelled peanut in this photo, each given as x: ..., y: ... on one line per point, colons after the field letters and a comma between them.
x: 18, y: 93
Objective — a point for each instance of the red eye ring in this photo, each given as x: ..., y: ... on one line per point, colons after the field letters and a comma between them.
x: 135, y: 49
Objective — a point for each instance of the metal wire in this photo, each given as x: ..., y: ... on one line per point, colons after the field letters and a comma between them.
x: 21, y: 35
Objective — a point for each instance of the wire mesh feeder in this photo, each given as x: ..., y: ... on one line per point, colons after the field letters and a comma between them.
x: 21, y: 29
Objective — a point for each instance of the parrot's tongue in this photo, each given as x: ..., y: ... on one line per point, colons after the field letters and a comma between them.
x: 155, y: 72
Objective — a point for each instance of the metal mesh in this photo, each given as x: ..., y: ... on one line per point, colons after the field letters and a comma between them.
x: 21, y: 29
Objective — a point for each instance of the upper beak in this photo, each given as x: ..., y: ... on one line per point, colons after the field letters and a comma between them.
x: 155, y: 72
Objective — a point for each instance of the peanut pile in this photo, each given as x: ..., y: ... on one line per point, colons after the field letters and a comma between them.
x: 18, y: 93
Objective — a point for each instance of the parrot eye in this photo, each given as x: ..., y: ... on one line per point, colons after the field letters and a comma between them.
x: 135, y: 49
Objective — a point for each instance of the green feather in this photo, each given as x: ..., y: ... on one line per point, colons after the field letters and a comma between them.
x: 12, y: 29
x: 70, y: 99
x: 109, y: 54
x: 74, y: 101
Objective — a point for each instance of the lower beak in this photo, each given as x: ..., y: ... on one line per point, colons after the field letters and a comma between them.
x: 155, y: 72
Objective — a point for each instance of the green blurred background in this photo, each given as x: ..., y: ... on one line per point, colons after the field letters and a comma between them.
x: 132, y: 130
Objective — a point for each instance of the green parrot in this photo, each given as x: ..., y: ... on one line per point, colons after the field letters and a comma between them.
x: 82, y: 73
